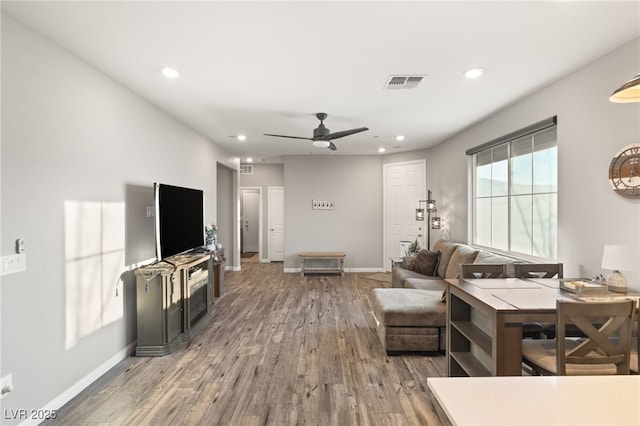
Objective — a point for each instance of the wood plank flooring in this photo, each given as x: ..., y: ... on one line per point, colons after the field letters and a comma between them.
x: 280, y: 349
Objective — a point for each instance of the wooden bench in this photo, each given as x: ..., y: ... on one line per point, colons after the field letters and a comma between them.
x: 322, y: 255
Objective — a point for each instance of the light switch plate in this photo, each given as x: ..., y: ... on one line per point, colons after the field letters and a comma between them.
x: 13, y: 264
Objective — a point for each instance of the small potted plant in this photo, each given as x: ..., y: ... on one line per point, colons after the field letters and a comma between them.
x: 211, y: 231
x: 414, y: 248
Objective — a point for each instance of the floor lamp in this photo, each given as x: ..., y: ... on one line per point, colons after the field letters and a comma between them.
x: 431, y: 223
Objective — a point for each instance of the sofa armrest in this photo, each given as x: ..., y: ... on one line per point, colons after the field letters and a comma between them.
x: 397, y: 279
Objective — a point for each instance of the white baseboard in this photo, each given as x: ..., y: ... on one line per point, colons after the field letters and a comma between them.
x: 368, y: 270
x: 83, y: 383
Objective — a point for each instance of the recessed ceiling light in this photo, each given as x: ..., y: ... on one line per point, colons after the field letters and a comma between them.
x: 381, y: 150
x: 170, y: 72
x: 400, y: 138
x: 474, y: 73
x: 242, y: 137
x: 249, y: 160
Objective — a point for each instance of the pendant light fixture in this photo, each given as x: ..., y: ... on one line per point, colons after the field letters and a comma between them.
x: 628, y: 92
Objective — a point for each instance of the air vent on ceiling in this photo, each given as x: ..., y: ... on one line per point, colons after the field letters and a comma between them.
x: 246, y: 169
x: 403, y: 81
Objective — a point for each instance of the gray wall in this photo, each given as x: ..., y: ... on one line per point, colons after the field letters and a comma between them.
x: 264, y: 176
x: 71, y: 134
x: 590, y: 132
x: 354, y: 227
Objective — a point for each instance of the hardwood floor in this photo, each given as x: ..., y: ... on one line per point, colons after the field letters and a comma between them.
x: 281, y: 349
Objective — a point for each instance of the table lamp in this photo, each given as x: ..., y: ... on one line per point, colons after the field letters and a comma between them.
x: 616, y: 258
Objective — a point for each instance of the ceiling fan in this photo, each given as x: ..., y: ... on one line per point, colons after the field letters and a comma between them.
x: 322, y: 136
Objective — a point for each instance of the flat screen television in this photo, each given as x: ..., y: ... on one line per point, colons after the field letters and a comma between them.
x: 179, y: 220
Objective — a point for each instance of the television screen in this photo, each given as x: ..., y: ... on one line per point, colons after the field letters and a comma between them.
x: 179, y: 219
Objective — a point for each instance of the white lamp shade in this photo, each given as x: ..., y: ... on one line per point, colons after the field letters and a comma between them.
x: 321, y: 144
x: 616, y: 258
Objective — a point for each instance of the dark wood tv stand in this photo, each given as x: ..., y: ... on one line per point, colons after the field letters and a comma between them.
x: 173, y: 299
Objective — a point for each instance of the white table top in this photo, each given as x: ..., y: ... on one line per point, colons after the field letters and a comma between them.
x: 539, y: 400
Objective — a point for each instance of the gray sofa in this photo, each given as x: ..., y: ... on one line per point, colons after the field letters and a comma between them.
x: 452, y: 255
x: 415, y: 321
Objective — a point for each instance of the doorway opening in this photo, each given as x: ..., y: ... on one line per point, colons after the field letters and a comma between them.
x: 404, y: 187
x: 250, y: 224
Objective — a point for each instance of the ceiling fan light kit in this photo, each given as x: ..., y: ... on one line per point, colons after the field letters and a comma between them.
x: 322, y: 137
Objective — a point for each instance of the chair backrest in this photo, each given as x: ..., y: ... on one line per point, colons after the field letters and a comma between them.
x: 482, y: 270
x: 608, y: 344
x: 537, y: 270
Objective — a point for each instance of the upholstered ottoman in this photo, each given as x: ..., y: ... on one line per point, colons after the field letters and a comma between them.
x: 410, y: 319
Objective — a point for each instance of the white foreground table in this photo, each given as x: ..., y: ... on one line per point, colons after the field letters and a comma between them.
x: 539, y: 400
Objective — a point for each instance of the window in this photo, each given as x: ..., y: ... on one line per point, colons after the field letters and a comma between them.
x: 515, y: 192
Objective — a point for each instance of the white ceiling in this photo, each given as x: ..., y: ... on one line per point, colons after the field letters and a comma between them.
x: 267, y: 67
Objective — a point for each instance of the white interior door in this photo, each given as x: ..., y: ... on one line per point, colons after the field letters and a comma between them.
x: 250, y: 220
x: 404, y: 187
x: 276, y: 224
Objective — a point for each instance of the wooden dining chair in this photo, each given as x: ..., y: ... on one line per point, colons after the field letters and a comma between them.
x: 482, y: 270
x: 605, y: 350
x: 533, y: 330
x: 538, y: 270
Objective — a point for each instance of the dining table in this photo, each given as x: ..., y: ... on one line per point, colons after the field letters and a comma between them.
x: 485, y: 317
x: 539, y: 400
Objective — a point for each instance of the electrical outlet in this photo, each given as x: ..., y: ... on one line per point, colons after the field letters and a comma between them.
x: 6, y: 385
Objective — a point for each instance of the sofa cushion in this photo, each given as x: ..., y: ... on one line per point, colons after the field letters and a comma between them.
x: 408, y: 307
x: 408, y: 261
x: 435, y: 284
x: 462, y: 254
x: 399, y: 275
x: 488, y: 257
x: 446, y: 249
x: 426, y: 262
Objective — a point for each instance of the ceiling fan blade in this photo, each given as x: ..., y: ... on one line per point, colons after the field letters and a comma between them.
x: 344, y: 133
x: 290, y: 137
x: 331, y: 146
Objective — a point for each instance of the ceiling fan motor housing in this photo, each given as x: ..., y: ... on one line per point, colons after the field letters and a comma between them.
x: 320, y: 132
